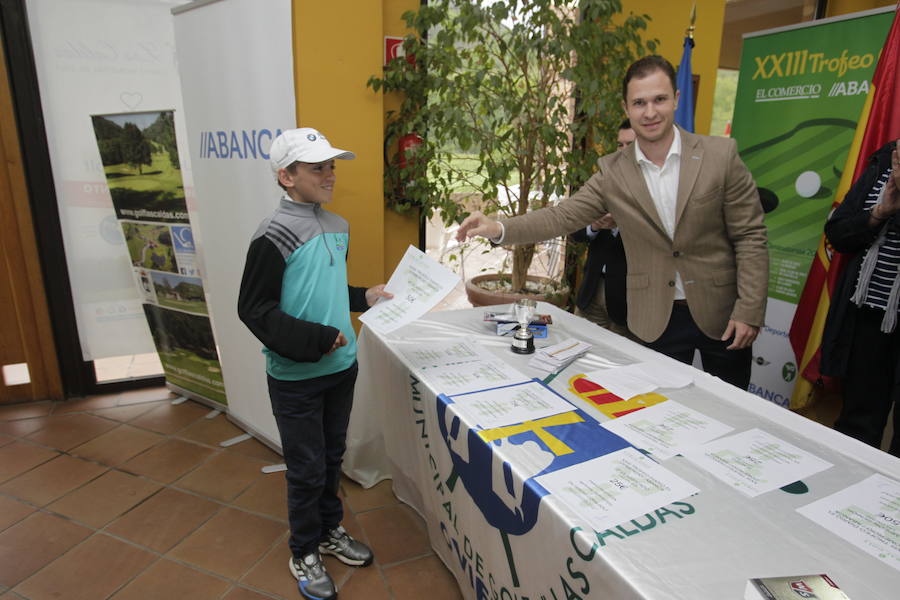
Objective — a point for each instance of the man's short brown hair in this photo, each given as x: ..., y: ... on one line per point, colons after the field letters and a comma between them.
x: 645, y: 66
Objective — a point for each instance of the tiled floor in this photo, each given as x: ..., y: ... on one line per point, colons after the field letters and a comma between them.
x: 129, y: 497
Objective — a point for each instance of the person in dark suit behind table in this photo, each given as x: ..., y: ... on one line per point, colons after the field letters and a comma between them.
x: 601, y: 296
x: 692, y: 226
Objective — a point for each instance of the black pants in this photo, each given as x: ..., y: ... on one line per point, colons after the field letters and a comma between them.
x: 870, y: 385
x: 312, y: 417
x: 682, y: 337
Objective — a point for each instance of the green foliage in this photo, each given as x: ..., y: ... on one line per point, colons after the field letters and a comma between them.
x: 162, y: 131
x: 135, y: 148
x: 723, y: 101
x: 531, y: 90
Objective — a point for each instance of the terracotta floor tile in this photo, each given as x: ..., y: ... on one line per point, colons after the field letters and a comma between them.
x: 23, y: 427
x: 267, y: 496
x: 360, y: 499
x: 105, y: 498
x: 272, y: 575
x: 421, y: 578
x: 167, y: 580
x: 12, y: 511
x: 168, y: 461
x: 91, y: 571
x: 53, y: 479
x: 229, y: 543
x: 211, y: 431
x: 145, y: 395
x: 67, y: 431
x: 25, y: 411
x: 169, y: 418
x: 123, y: 414
x: 86, y: 404
x: 367, y: 584
x: 164, y: 519
x: 18, y: 457
x: 223, y: 477
x: 256, y: 449
x: 35, y: 542
x: 118, y: 445
x: 240, y: 593
x: 395, y: 533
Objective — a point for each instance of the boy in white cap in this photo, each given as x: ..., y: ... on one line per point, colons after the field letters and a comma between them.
x: 295, y: 298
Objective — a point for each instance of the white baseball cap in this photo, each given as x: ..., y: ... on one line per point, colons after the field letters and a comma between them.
x: 304, y: 145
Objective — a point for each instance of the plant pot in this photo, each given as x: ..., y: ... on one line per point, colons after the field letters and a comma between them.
x: 479, y: 296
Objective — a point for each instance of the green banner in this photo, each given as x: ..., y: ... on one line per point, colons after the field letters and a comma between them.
x: 799, y: 95
x: 140, y: 159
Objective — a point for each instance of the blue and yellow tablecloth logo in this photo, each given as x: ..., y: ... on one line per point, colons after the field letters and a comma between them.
x: 498, y: 466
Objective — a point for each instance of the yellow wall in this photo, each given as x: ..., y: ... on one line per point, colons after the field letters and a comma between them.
x: 399, y: 230
x: 835, y: 8
x: 669, y: 21
x: 338, y: 45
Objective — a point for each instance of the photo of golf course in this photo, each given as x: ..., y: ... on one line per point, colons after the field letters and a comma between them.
x: 140, y: 159
x: 187, y: 350
x: 150, y: 246
x: 180, y: 293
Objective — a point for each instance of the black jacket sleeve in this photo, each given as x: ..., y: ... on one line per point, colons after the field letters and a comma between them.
x: 848, y: 228
x: 358, y: 301
x: 258, y: 308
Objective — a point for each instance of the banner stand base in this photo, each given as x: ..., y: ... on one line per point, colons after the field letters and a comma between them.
x: 189, y: 395
x: 235, y: 440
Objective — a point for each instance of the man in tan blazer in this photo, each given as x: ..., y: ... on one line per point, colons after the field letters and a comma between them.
x: 692, y: 224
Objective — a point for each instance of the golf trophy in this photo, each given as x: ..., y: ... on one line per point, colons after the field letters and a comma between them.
x: 523, y: 340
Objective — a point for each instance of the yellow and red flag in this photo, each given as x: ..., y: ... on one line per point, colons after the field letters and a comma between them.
x: 878, y: 124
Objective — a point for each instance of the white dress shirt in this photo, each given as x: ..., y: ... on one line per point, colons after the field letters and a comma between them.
x: 663, y: 185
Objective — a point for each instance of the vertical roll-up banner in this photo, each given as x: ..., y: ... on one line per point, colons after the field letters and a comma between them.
x: 800, y: 93
x: 140, y: 158
x: 235, y: 59
x: 99, y: 57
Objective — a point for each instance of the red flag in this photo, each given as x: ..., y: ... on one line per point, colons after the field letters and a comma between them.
x: 879, y: 123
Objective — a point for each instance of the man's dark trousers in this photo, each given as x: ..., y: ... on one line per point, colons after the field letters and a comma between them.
x: 312, y: 417
x: 682, y: 337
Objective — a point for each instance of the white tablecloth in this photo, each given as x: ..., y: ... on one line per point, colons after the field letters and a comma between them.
x: 704, y: 547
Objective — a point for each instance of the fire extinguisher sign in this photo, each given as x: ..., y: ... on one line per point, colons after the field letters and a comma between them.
x: 393, y: 48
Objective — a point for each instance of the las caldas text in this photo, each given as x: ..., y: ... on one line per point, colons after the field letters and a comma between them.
x: 495, y: 582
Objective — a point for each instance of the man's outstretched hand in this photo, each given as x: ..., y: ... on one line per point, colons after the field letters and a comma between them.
x: 376, y: 292
x: 478, y: 224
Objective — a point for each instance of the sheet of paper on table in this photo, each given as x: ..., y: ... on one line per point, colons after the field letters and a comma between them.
x: 641, y: 378
x: 755, y: 462
x: 418, y: 284
x: 615, y: 488
x: 667, y: 428
x: 429, y: 355
x: 458, y: 367
x: 866, y: 514
x: 509, y: 405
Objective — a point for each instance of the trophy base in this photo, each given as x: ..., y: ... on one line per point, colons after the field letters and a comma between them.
x: 522, y: 346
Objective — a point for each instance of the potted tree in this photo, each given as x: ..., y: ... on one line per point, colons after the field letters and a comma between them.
x: 514, y: 101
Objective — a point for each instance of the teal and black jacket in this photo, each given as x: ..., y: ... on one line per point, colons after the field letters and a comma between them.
x: 294, y: 295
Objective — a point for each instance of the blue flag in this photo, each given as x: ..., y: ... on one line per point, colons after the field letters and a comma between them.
x: 684, y: 114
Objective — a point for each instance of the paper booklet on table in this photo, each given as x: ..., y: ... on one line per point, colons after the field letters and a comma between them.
x: 820, y: 587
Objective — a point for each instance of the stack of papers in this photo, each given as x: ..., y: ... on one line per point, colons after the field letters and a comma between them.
x: 555, y: 358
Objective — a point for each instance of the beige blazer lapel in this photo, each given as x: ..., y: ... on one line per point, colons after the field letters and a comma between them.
x: 634, y: 182
x: 691, y: 159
